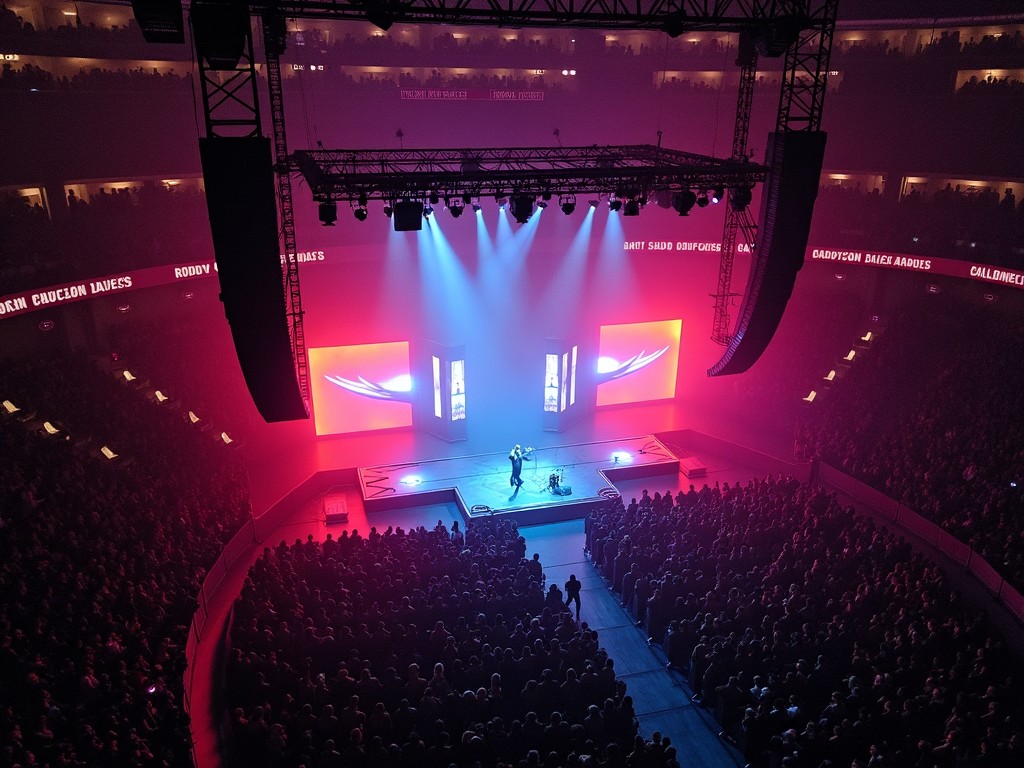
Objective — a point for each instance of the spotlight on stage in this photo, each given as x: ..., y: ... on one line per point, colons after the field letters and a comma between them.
x: 702, y: 200
x: 328, y: 213
x: 455, y: 208
x: 683, y: 202
x: 411, y: 480
x: 388, y: 210
x: 567, y: 203
x: 476, y: 207
x: 622, y: 457
x: 360, y: 213
x: 631, y: 208
x: 717, y: 195
x: 614, y: 204
x: 594, y: 203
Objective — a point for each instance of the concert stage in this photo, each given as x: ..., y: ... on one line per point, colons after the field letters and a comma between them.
x: 479, y: 485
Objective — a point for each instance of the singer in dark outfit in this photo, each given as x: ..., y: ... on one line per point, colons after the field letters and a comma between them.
x: 517, y: 456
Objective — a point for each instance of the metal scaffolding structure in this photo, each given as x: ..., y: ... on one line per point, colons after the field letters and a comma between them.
x: 627, y: 172
x: 273, y: 38
x: 737, y: 219
x: 801, y: 30
x: 674, y: 17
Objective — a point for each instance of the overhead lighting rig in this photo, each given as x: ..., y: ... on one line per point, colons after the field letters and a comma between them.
x: 626, y: 175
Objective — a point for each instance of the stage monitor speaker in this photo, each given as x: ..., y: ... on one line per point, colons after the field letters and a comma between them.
x: 408, y: 216
x: 243, y: 220
x: 787, y: 202
x: 161, y: 21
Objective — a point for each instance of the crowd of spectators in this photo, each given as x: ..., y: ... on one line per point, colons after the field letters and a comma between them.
x: 422, y: 647
x: 29, y: 77
x: 953, y: 222
x: 125, y: 228
x: 934, y: 419
x: 815, y: 637
x: 102, y: 566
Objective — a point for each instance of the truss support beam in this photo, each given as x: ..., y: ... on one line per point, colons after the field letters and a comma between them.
x: 721, y: 327
x: 674, y: 17
x: 625, y: 171
x: 273, y: 40
x: 229, y: 82
x: 805, y: 70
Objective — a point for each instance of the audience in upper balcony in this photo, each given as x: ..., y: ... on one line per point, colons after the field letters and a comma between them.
x: 126, y: 228
x: 977, y: 224
x: 31, y: 77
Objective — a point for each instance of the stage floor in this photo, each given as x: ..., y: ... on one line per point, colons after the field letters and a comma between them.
x: 480, y: 485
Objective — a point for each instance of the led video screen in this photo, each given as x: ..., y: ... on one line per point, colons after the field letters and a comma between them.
x: 638, y: 362
x: 360, y: 388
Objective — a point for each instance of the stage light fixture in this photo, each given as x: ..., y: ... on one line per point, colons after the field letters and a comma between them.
x: 683, y: 202
x: 388, y: 210
x: 467, y: 198
x: 717, y: 195
x: 328, y: 213
x: 740, y: 198
x: 614, y: 205
x: 594, y: 203
x: 702, y: 200
x: 427, y: 210
x: 408, y: 216
x: 541, y: 204
x: 476, y: 208
x: 631, y: 207
x: 360, y: 213
x: 434, y: 198
x: 362, y: 200
x: 568, y: 203
x: 522, y: 208
x: 455, y: 209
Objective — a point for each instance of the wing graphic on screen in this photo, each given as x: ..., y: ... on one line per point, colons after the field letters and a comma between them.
x: 640, y: 360
x: 371, y: 389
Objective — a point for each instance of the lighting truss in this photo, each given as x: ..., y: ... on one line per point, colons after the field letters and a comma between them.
x: 626, y: 171
x: 672, y: 16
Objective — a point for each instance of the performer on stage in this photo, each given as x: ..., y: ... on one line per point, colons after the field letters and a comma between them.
x: 517, y: 457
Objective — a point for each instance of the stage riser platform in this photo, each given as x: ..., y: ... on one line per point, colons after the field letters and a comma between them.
x: 479, y: 484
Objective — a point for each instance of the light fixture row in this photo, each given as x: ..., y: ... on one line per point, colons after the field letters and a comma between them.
x: 522, y: 205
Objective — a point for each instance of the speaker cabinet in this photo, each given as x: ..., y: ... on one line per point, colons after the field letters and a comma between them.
x: 243, y: 220
x: 795, y: 159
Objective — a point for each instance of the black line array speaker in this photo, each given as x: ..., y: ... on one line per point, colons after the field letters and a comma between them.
x: 161, y: 21
x: 795, y: 160
x: 243, y: 219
